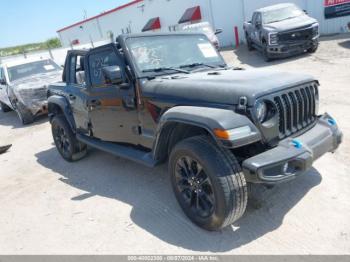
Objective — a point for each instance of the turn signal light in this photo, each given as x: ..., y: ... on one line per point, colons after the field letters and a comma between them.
x: 222, y: 134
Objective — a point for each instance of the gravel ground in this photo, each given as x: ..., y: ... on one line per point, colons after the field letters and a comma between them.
x: 107, y: 205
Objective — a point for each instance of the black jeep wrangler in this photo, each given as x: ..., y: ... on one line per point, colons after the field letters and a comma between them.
x: 153, y: 97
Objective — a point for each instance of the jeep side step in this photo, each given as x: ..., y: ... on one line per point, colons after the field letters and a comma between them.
x: 122, y: 151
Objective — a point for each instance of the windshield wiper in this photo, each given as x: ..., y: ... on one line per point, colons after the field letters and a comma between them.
x: 197, y: 64
x: 160, y: 69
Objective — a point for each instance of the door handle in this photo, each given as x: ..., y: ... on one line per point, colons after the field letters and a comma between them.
x: 72, y: 97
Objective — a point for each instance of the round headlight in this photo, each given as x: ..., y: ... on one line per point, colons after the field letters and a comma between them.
x: 261, y: 111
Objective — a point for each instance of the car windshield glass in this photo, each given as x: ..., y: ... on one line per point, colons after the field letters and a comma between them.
x: 172, y: 52
x: 281, y: 14
x: 33, y: 68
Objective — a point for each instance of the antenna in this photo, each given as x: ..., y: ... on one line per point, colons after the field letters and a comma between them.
x: 85, y: 14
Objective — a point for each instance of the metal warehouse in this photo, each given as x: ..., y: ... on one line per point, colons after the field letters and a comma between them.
x: 169, y: 15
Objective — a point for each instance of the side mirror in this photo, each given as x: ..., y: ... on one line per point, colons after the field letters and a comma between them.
x: 3, y: 82
x: 257, y: 25
x: 112, y: 75
x: 218, y: 31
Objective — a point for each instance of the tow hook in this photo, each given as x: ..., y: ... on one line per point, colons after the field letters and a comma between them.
x: 297, y: 144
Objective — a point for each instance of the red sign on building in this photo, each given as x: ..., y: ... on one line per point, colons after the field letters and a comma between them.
x: 335, y: 2
x: 336, y: 8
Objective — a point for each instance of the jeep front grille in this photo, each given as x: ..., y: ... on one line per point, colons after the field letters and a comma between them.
x: 296, y: 109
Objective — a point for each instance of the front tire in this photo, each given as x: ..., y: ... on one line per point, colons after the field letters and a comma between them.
x: 313, y: 49
x: 265, y: 53
x: 66, y: 143
x: 24, y: 114
x: 208, y: 183
x: 5, y: 108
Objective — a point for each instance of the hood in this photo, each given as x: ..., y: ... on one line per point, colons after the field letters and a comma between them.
x: 289, y: 24
x: 37, y: 81
x: 222, y: 87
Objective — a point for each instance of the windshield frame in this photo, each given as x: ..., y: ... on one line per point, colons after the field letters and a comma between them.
x: 9, y: 68
x: 279, y: 9
x: 139, y: 74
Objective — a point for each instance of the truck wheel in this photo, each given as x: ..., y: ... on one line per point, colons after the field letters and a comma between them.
x: 208, y: 183
x: 24, y: 114
x: 249, y: 42
x: 66, y: 143
x: 265, y: 54
x: 313, y: 49
x: 5, y: 108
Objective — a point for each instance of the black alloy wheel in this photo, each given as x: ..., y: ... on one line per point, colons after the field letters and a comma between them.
x: 195, y: 186
x: 65, y: 140
x: 61, y: 140
x: 207, y: 182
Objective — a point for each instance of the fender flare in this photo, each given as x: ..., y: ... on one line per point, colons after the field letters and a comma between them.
x: 208, y: 119
x: 64, y: 105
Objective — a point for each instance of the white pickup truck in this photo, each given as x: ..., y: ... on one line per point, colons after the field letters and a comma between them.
x: 23, y: 86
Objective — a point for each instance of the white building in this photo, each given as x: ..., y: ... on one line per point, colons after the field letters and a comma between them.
x: 167, y: 15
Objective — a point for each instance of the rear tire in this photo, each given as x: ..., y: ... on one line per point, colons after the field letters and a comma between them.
x: 5, y: 108
x: 249, y: 42
x: 66, y: 143
x: 208, y: 183
x: 24, y: 114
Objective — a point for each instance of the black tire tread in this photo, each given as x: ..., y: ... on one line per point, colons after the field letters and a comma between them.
x: 79, y: 149
x: 5, y: 108
x: 235, y: 181
x: 233, y: 185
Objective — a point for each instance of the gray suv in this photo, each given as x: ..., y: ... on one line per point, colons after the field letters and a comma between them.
x: 281, y: 30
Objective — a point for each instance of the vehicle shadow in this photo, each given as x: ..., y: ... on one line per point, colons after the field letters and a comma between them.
x: 11, y: 119
x: 345, y: 44
x: 154, y: 207
x: 255, y: 58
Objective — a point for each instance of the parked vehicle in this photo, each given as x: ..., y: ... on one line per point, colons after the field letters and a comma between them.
x: 207, y: 29
x: 219, y: 127
x: 281, y: 30
x: 24, y: 85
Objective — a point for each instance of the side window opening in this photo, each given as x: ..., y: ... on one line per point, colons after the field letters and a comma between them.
x: 80, y: 71
x: 77, y: 70
x: 98, y: 62
x: 258, y: 18
x: 254, y: 18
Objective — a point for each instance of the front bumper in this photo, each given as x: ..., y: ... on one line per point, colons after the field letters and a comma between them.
x: 294, y: 156
x: 285, y: 50
x: 34, y: 100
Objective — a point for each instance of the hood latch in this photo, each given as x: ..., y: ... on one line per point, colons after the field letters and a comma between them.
x: 242, y: 103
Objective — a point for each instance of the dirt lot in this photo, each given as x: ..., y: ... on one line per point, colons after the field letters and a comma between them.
x: 107, y: 205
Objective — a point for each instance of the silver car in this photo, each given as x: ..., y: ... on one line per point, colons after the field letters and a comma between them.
x: 23, y: 86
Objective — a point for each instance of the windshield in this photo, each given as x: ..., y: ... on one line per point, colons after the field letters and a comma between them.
x: 34, y: 68
x: 173, y: 51
x: 281, y: 14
